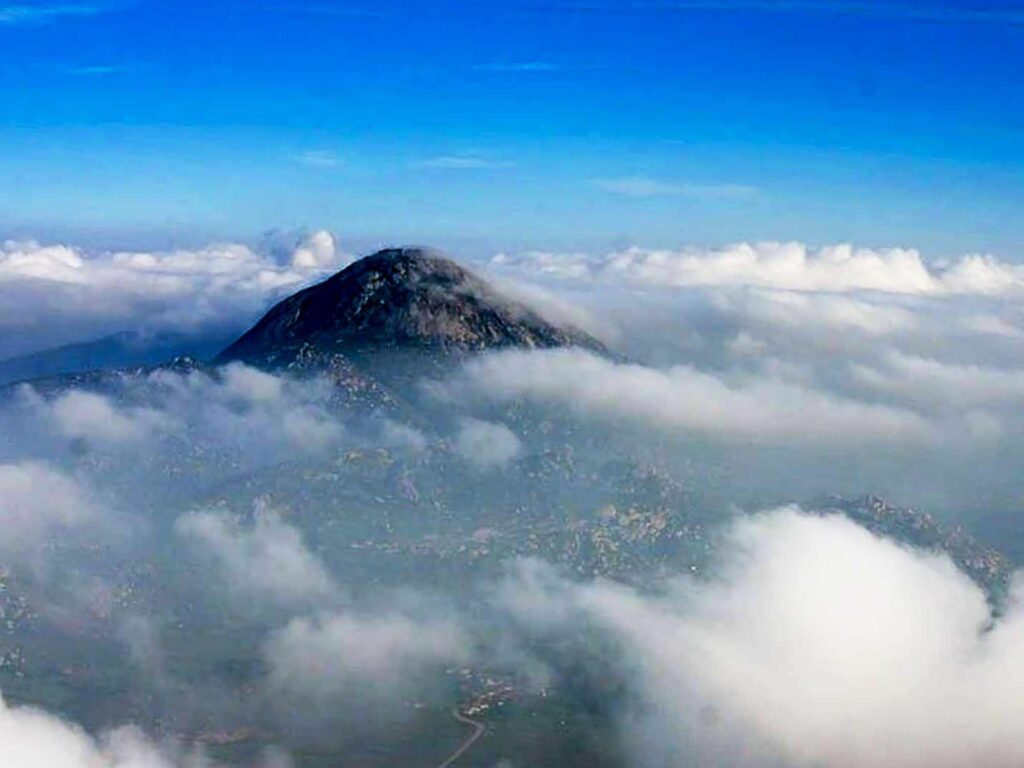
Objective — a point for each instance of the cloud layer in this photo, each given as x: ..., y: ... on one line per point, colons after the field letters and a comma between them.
x: 52, y: 294
x: 815, y: 643
x: 786, y: 266
x: 684, y: 399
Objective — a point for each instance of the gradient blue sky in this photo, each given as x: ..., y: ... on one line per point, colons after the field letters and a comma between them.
x: 534, y: 123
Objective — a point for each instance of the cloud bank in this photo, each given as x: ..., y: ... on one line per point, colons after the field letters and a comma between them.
x: 227, y: 410
x: 815, y: 643
x: 837, y: 348
x: 683, y: 398
x: 785, y: 266
x: 52, y: 294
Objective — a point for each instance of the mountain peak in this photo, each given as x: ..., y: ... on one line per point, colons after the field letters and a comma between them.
x: 398, y: 298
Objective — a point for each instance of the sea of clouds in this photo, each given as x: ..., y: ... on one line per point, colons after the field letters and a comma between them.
x: 53, y: 294
x: 811, y: 643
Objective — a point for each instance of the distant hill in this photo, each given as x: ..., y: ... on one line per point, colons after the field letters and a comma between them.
x: 397, y: 299
x: 117, y: 350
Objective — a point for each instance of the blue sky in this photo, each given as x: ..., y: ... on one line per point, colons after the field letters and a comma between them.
x: 515, y: 124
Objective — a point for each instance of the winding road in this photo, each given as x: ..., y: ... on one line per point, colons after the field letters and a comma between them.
x: 478, y: 731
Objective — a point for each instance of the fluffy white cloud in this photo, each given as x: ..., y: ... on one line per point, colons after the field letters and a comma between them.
x: 37, y: 501
x: 87, y: 415
x: 816, y: 643
x: 377, y: 655
x: 785, y: 266
x: 682, y: 398
x: 32, y: 738
x: 397, y: 435
x: 58, y: 293
x: 943, y: 384
x: 557, y: 307
x: 319, y: 251
x: 486, y: 444
x: 804, y: 313
x: 242, y: 407
x: 267, y: 561
x: 233, y: 409
x: 466, y: 162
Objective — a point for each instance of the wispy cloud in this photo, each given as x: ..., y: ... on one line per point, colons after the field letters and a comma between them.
x: 462, y: 163
x: 643, y: 186
x: 517, y: 66
x: 98, y: 70
x: 997, y: 13
x: 44, y: 13
x: 339, y: 11
x: 319, y: 158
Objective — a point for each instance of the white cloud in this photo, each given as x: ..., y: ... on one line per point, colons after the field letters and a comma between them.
x: 517, y: 66
x: 53, y: 294
x: 557, y: 307
x: 267, y: 561
x: 681, y: 398
x: 231, y: 409
x: 37, y: 501
x: 98, y: 70
x: 784, y: 266
x: 570, y: 266
x: 398, y: 435
x: 803, y: 312
x: 27, y: 12
x: 462, y: 163
x: 643, y: 186
x: 991, y: 325
x: 319, y: 158
x: 486, y: 444
x: 318, y: 251
x: 815, y: 644
x: 93, y: 417
x: 943, y: 384
x: 335, y: 656
x: 921, y: 12
x: 247, y: 407
x: 33, y: 738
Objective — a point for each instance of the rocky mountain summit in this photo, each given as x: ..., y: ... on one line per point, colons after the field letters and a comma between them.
x: 401, y: 298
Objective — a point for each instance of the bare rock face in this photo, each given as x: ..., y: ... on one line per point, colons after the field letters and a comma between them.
x: 397, y: 299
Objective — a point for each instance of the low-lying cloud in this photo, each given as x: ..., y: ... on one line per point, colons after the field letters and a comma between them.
x: 33, y: 738
x: 684, y: 399
x: 379, y: 656
x: 264, y: 562
x: 38, y: 501
x: 486, y: 444
x: 815, y: 643
x: 784, y: 266
x: 232, y: 409
x: 54, y: 294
